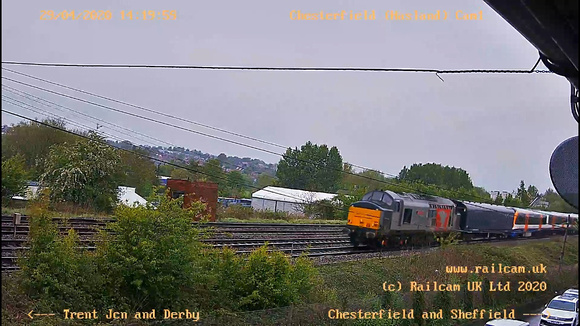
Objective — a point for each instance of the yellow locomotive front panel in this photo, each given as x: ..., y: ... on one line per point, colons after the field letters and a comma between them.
x: 364, y: 218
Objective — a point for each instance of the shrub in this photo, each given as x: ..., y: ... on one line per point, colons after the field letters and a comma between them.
x: 13, y: 178
x: 153, y: 259
x: 54, y: 271
x: 263, y: 280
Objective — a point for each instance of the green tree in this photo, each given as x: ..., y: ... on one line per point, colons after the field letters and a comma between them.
x: 183, y: 174
x: 236, y: 183
x: 557, y: 203
x: 137, y: 171
x: 511, y: 201
x: 265, y: 180
x: 482, y: 193
x: 84, y: 173
x: 14, y: 177
x: 498, y: 200
x: 33, y: 140
x: 312, y: 167
x: 436, y: 174
x: 522, y: 195
x: 214, y: 173
x: 165, y: 170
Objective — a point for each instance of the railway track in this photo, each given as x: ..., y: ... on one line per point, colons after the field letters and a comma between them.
x: 312, y: 240
x: 294, y: 239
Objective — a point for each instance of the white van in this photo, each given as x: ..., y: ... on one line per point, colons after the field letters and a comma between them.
x: 507, y: 322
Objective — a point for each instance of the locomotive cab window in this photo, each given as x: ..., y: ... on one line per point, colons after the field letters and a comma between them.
x: 377, y: 196
x: 432, y: 213
x: 407, y: 216
x: 387, y: 199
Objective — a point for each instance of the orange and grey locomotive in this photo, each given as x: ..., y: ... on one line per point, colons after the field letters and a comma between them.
x: 386, y: 218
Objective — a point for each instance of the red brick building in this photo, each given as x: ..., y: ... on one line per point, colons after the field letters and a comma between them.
x: 207, y: 192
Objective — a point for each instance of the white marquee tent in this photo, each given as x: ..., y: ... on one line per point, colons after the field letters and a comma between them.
x: 286, y: 200
x: 128, y: 196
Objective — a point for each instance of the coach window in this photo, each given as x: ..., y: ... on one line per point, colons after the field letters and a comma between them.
x: 432, y: 213
x: 407, y: 216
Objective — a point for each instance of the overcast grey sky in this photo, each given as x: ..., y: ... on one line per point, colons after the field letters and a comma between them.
x: 500, y: 128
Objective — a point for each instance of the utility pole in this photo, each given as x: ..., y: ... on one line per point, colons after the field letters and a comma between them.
x: 564, y: 245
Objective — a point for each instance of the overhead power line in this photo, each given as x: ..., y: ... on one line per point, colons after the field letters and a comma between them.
x: 171, y: 116
x: 145, y: 155
x: 415, y: 70
x: 235, y: 142
x: 144, y: 108
x: 176, y: 165
x: 59, y: 107
x: 224, y: 178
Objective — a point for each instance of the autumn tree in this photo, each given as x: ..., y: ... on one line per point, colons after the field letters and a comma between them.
x: 312, y: 167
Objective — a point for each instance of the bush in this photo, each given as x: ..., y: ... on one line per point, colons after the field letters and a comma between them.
x: 54, y: 271
x: 13, y: 178
x: 263, y: 280
x: 154, y: 260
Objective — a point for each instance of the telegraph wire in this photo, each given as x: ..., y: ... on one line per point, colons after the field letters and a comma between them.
x: 251, y: 186
x: 150, y: 157
x: 143, y: 117
x: 219, y: 138
x: 232, y: 141
x: 37, y: 110
x: 415, y: 70
x: 169, y: 115
x: 173, y: 164
x: 197, y: 123
x: 14, y: 91
x: 145, y: 109
x: 49, y: 114
x: 56, y: 105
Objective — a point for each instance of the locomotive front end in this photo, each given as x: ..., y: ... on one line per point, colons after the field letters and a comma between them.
x: 369, y: 218
x: 363, y: 223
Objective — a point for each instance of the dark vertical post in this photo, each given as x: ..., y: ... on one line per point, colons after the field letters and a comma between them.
x: 564, y: 245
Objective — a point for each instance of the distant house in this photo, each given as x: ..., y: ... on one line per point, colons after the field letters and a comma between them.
x: 128, y: 196
x: 503, y: 194
x: 286, y: 200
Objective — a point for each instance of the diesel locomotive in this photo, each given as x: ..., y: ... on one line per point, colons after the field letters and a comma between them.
x: 389, y: 219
